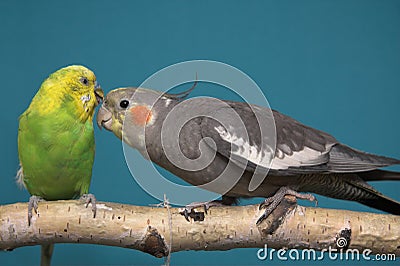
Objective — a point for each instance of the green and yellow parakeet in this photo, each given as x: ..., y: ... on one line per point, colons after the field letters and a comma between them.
x: 56, y: 140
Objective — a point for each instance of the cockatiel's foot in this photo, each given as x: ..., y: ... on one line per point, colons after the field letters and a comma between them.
x: 272, y: 202
x: 90, y: 198
x: 33, y: 204
x: 189, y: 209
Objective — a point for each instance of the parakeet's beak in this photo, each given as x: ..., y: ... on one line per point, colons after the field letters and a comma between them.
x: 104, y: 118
x: 98, y: 92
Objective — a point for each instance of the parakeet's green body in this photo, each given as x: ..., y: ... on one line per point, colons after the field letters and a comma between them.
x: 56, y: 152
x: 56, y: 140
x: 55, y: 136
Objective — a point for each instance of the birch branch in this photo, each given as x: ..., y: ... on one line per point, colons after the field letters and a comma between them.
x: 148, y: 228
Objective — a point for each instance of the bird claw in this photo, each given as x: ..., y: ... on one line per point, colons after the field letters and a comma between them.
x: 90, y: 198
x: 316, y: 202
x: 196, y: 216
x: 189, y: 210
x: 272, y: 202
x: 266, y: 202
x: 186, y: 213
x: 263, y: 217
x: 33, y: 204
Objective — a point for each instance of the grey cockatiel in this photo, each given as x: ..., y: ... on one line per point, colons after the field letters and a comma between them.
x: 297, y: 158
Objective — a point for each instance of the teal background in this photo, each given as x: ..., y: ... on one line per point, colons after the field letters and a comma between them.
x: 334, y: 65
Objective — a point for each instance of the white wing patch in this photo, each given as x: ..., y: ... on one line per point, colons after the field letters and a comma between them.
x: 305, y: 157
x: 167, y: 102
x: 244, y: 149
x: 281, y: 161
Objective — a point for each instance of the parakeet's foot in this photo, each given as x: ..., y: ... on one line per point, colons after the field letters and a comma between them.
x: 90, y: 198
x: 33, y: 204
x: 272, y: 202
x: 189, y: 209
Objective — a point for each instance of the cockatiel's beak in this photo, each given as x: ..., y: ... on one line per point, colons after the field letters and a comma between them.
x: 104, y: 118
x: 98, y: 92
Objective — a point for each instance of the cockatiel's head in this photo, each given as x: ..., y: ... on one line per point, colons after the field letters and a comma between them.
x: 73, y: 85
x: 129, y: 110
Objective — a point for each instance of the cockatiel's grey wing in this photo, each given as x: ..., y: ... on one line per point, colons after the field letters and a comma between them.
x: 235, y: 134
x: 292, y: 146
x: 299, y: 149
x: 295, y: 140
x: 344, y: 159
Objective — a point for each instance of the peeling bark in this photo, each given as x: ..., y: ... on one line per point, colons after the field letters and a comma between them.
x: 222, y: 228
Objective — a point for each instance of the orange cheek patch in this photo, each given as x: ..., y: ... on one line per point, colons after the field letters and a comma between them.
x: 141, y: 115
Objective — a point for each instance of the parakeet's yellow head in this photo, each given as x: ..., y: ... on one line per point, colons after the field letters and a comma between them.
x: 70, y: 86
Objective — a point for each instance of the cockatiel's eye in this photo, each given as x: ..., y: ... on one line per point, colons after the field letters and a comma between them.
x: 124, y: 104
x: 84, y: 81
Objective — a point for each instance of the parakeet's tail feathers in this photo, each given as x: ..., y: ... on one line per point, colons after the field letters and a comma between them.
x: 46, y: 254
x: 19, y: 178
x: 344, y: 159
x: 380, y: 175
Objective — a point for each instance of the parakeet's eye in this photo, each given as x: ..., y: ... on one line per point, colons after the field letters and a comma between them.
x: 84, y: 81
x: 124, y: 104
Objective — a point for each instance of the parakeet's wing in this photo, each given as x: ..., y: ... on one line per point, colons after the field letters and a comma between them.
x: 299, y: 149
